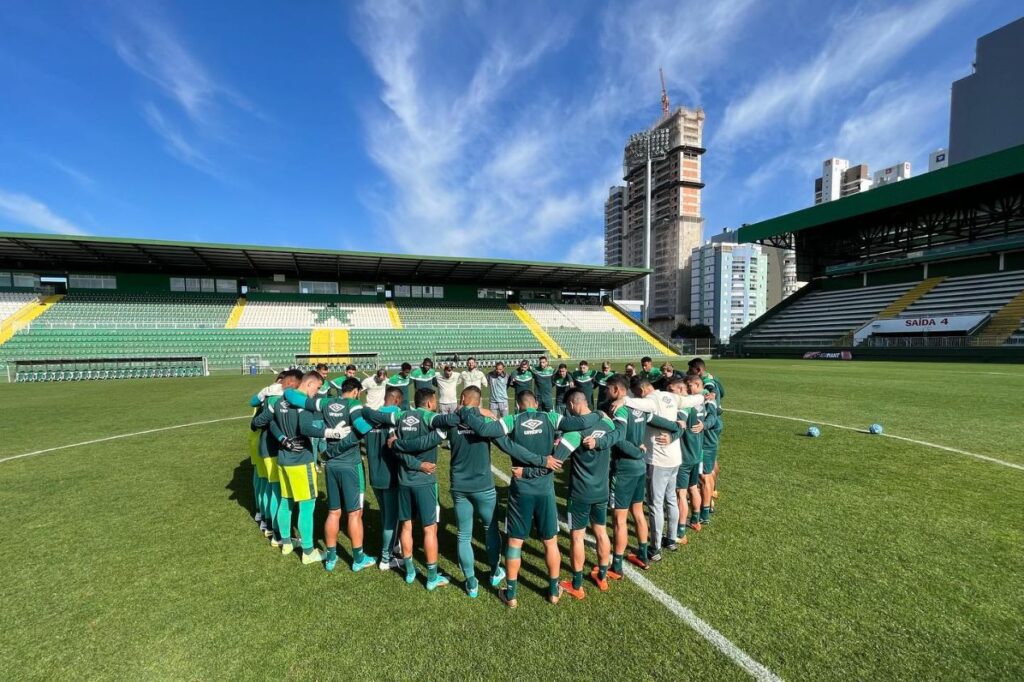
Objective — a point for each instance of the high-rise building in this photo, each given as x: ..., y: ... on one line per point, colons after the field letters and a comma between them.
x: 839, y: 179
x: 782, y: 281
x: 729, y: 286
x: 676, y: 222
x: 887, y: 176
x: 987, y: 110
x: 938, y: 159
x: 614, y: 213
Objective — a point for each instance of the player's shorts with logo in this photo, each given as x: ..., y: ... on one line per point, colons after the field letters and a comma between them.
x: 583, y: 514
x: 298, y: 481
x: 627, y: 490
x: 526, y: 510
x: 419, y: 502
x: 346, y: 486
x: 689, y: 475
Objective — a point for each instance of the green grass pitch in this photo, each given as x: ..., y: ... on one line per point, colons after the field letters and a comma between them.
x: 849, y: 556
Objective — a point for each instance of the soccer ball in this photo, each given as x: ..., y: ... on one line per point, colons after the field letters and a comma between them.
x: 813, y: 431
x: 875, y: 429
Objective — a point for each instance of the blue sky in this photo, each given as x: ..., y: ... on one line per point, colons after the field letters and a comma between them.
x: 464, y: 128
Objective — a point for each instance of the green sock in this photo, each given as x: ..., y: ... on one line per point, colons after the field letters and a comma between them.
x: 705, y: 512
x: 431, y: 571
x: 694, y: 518
x: 617, y: 563
x: 577, y: 580
x: 553, y: 588
x: 681, y: 530
x: 602, y: 571
x: 332, y: 553
x: 306, y: 508
x: 643, y: 552
x: 471, y: 582
x: 409, y: 568
x: 357, y: 554
x: 510, y: 588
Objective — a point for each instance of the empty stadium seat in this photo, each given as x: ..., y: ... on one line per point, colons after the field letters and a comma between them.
x: 13, y: 301
x: 970, y: 294
x: 825, y: 316
x: 309, y: 314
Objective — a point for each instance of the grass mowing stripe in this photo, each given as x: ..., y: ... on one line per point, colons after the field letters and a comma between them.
x: 119, y: 436
x: 713, y: 636
x: 957, y: 451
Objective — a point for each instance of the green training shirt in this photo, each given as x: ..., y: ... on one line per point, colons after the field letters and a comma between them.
x: 419, y: 432
x: 404, y: 383
x: 588, y: 469
x: 300, y: 425
x: 520, y: 381
x: 421, y: 379
x: 693, y: 443
x: 543, y: 380
x: 471, y: 455
x: 712, y: 427
x: 381, y: 461
x: 562, y: 386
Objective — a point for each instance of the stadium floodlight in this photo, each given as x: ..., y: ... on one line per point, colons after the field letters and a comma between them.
x: 646, y: 147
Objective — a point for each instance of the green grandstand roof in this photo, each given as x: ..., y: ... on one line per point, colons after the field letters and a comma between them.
x: 960, y: 176
x: 46, y: 253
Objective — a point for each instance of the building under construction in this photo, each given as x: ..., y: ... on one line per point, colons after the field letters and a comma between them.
x: 676, y: 221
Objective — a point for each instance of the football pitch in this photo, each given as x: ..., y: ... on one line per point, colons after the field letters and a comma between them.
x: 130, y: 550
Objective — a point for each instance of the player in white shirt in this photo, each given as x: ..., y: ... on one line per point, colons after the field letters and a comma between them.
x: 471, y: 376
x: 374, y: 387
x: 447, y: 384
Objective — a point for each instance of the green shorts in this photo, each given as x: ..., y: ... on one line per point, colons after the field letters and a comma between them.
x: 419, y: 502
x: 582, y: 514
x: 628, y: 490
x: 709, y: 462
x: 688, y: 476
x: 346, y: 487
x: 525, y: 510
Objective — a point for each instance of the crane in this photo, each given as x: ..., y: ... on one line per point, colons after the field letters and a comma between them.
x: 665, y: 107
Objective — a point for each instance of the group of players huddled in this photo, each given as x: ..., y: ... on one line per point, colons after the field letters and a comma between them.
x: 626, y: 439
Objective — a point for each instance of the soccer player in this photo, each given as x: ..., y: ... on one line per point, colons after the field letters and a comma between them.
x: 473, y: 491
x: 374, y: 387
x: 447, y: 386
x: 647, y: 370
x: 296, y: 466
x: 497, y: 382
x: 403, y: 381
x: 419, y: 432
x: 383, y: 466
x: 543, y: 375
x: 629, y: 371
x: 583, y: 378
x: 323, y: 369
x: 521, y: 380
x: 712, y: 433
x: 667, y: 453
x: 345, y: 478
x: 588, y: 492
x: 563, y: 384
x: 601, y: 381
x: 688, y: 482
x: 531, y: 501
x: 697, y: 367
x: 471, y: 376
x: 630, y: 459
x: 269, y: 491
x: 667, y: 374
x: 424, y: 376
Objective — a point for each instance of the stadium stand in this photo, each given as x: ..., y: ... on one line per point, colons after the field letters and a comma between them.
x: 298, y: 314
x: 826, y: 316
x: 970, y: 294
x: 177, y: 308
x: 13, y: 301
x: 149, y: 309
x: 943, y: 252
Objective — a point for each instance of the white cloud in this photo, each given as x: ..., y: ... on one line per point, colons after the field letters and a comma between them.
x: 25, y: 211
x: 149, y: 44
x: 478, y: 157
x: 589, y: 250
x: 860, y: 46
x: 84, y: 180
x: 176, y: 144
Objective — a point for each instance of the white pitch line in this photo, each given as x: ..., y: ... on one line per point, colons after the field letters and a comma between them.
x: 957, y: 451
x: 118, y: 436
x: 711, y: 635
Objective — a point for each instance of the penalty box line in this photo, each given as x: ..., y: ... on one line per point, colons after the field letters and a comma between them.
x: 946, y: 448
x: 692, y: 620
